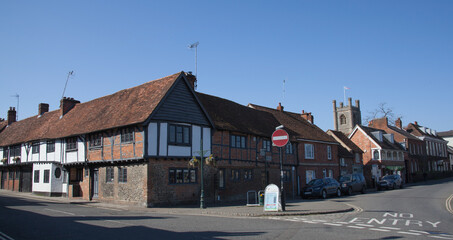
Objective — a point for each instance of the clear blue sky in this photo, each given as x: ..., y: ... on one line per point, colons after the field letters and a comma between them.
x: 397, y: 52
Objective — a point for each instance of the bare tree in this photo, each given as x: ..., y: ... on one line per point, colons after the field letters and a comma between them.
x: 383, y: 110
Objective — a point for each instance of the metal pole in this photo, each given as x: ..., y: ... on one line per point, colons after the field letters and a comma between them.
x: 282, y: 193
x: 201, y: 170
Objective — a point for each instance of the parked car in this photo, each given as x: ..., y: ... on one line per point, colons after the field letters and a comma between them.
x: 390, y: 182
x: 352, y: 183
x: 321, y: 187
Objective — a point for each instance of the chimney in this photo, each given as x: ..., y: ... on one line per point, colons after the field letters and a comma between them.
x: 280, y: 107
x: 66, y: 104
x: 350, y: 102
x: 308, y: 117
x: 43, y: 108
x: 380, y: 123
x: 399, y: 123
x: 192, y: 80
x: 416, y: 123
x: 11, y: 115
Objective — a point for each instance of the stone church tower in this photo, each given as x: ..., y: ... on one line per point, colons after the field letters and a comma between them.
x: 346, y: 117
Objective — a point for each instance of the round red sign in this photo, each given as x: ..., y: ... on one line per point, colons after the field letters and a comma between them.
x: 280, y: 138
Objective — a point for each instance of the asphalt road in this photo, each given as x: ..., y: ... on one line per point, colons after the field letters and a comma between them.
x: 415, y: 212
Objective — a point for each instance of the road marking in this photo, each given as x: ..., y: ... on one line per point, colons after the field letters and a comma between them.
x: 448, y: 204
x: 410, y: 233
x: 3, y: 236
x: 416, y: 231
x: 391, y: 228
x: 333, y: 224
x: 58, y: 211
x: 379, y: 229
x: 356, y: 227
x: 310, y: 222
x: 356, y: 209
x: 342, y: 222
x: 364, y: 225
x: 440, y: 237
x: 319, y: 221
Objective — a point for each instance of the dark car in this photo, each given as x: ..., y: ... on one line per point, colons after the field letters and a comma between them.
x: 321, y: 187
x: 352, y: 183
x: 390, y: 182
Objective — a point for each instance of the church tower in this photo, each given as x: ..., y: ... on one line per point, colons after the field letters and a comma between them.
x: 346, y: 117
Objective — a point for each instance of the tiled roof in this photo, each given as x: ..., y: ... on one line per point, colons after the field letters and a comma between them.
x: 231, y: 116
x: 123, y: 108
x: 346, y: 141
x: 296, y: 125
x: 3, y: 124
x: 416, y: 130
x: 385, y: 144
x: 403, y: 132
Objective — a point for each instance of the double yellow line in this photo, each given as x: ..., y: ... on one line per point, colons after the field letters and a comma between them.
x: 448, y: 204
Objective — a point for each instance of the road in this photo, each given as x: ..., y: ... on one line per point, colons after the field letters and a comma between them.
x: 415, y: 212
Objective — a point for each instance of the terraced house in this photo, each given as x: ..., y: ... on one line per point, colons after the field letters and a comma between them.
x: 135, y: 146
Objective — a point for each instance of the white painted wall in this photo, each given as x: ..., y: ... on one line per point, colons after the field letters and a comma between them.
x: 75, y: 156
x: 41, y: 186
x: 163, y: 139
x: 178, y: 151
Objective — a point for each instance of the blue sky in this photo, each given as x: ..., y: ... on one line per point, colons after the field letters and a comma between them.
x: 396, y: 52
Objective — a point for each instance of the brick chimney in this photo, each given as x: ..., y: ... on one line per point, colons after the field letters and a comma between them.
x: 380, y: 123
x: 308, y: 116
x: 416, y: 123
x: 399, y: 123
x: 43, y: 108
x: 66, y: 104
x: 192, y: 80
x: 280, y: 107
x: 11, y: 115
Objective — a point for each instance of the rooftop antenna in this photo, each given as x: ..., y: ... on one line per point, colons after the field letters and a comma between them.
x: 71, y: 73
x: 17, y: 112
x: 195, y: 45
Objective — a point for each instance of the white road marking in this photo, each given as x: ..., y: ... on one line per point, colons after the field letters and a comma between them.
x: 333, y: 224
x: 342, y: 222
x: 356, y: 209
x: 356, y: 227
x: 391, y: 228
x: 58, y: 211
x: 416, y: 231
x: 410, y: 233
x: 310, y: 222
x: 319, y: 221
x: 364, y: 225
x: 448, y: 204
x: 433, y: 236
x: 379, y: 229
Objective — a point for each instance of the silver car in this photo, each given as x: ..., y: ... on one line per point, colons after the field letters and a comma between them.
x: 390, y: 182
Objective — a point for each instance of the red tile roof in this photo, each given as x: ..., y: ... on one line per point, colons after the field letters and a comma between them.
x: 126, y: 107
x: 297, y: 126
x: 345, y: 140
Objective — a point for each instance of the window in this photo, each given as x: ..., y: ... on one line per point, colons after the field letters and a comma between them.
x: 46, y: 176
x: 122, y: 174
x: 330, y: 173
x: 15, y: 151
x: 309, y: 175
x: 248, y: 174
x: 36, y: 176
x: 222, y: 178
x: 71, y: 144
x: 309, y: 151
x: 342, y: 162
x: 109, y: 174
x: 376, y: 154
x: 286, y: 175
x: 235, y: 175
x: 389, y: 155
x: 179, y: 135
x: 35, y: 147
x: 395, y: 157
x: 95, y: 140
x: 17, y: 175
x: 11, y: 175
x: 87, y: 172
x: 329, y: 152
x: 182, y: 176
x: 342, y: 119
x: 57, y: 172
x: 50, y: 146
x: 238, y: 141
x: 290, y: 148
x: 357, y: 158
x: 267, y: 145
x: 5, y: 152
x: 65, y: 176
x: 324, y: 172
x: 127, y: 135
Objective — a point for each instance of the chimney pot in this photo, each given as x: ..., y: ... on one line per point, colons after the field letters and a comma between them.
x: 192, y: 80
x: 280, y: 107
x: 416, y: 123
x: 66, y: 104
x: 399, y: 123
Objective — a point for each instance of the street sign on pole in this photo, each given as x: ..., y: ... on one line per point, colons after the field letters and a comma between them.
x: 280, y: 138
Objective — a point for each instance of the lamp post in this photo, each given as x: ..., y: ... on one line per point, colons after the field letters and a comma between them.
x: 194, y: 159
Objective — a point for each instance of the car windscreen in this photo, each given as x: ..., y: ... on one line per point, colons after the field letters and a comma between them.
x: 390, y: 177
x: 315, y: 182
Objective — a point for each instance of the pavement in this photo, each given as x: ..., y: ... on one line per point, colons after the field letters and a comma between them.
x: 294, y: 207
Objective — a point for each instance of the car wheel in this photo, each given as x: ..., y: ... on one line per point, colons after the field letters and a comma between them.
x: 339, y: 192
x: 350, y: 191
x: 363, y: 189
x: 324, y: 194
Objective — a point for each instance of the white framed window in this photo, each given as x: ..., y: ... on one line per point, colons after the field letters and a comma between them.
x: 329, y: 152
x: 309, y: 175
x: 376, y: 154
x: 330, y: 173
x: 309, y: 151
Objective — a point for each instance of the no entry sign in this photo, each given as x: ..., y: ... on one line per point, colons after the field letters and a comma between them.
x: 280, y: 138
